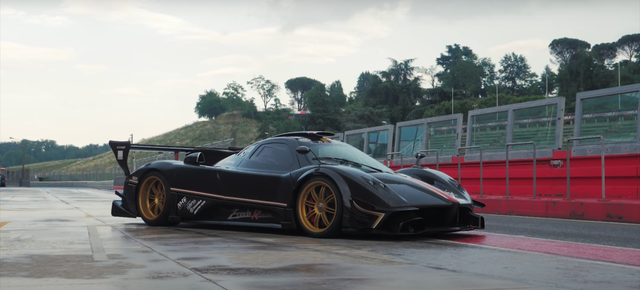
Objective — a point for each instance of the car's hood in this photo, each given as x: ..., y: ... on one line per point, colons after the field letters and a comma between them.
x: 410, y: 191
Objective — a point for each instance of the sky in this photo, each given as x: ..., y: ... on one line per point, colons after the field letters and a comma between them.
x: 86, y: 72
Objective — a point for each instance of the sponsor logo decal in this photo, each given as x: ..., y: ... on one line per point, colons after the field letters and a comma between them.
x: 242, y: 214
x: 193, y: 206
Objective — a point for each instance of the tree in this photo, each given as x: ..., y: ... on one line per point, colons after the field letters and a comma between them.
x: 463, y: 71
x: 209, y: 105
x: 234, y: 99
x: 336, y: 94
x: 629, y: 45
x: 298, y: 87
x: 515, y: 73
x: 265, y: 88
x: 274, y: 122
x: 563, y: 49
x: 235, y: 95
x: 430, y: 72
x: 325, y: 111
x: 605, y: 53
x: 582, y: 73
x: 400, y: 89
x: 548, y: 81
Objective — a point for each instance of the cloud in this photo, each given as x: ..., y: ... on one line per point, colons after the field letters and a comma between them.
x: 225, y: 72
x: 376, y: 22
x: 91, y: 69
x: 128, y: 91
x: 312, y: 45
x: 521, y: 46
x: 11, y: 51
x: 42, y: 19
x: 231, y: 59
x: 164, y: 24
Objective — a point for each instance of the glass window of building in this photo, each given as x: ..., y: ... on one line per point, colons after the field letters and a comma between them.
x: 613, y: 117
x: 411, y: 139
x: 489, y: 131
x: 356, y: 140
x: 378, y: 144
x: 442, y: 137
x: 537, y: 124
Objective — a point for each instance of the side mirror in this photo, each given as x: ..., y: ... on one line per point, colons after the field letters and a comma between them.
x: 419, y: 156
x: 304, y: 150
x: 195, y: 158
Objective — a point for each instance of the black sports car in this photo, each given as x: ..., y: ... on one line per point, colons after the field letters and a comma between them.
x: 297, y: 180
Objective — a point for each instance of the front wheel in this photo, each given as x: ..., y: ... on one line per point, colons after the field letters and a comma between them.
x: 319, y: 208
x: 154, y: 200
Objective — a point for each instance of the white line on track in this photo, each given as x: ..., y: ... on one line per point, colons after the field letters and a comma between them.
x: 559, y: 219
x: 96, y: 245
x: 560, y: 241
x: 538, y: 253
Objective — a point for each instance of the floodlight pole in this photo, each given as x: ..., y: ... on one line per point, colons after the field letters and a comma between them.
x: 496, y: 94
x: 546, y: 93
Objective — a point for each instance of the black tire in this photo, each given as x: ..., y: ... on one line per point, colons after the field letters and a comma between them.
x: 319, y: 208
x: 155, y: 200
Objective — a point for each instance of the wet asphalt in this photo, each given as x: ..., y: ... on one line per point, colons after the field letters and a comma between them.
x: 57, y: 238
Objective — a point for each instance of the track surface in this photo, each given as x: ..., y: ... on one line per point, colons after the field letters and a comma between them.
x: 56, y: 238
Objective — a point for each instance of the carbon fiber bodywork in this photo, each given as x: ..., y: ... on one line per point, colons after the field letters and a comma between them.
x: 226, y: 186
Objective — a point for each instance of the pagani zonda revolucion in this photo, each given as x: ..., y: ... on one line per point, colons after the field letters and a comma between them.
x: 297, y: 180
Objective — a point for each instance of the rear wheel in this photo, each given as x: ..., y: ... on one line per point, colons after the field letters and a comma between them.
x: 154, y: 200
x: 319, y: 208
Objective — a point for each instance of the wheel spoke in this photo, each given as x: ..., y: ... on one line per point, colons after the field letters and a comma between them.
x: 330, y: 210
x: 314, y: 195
x: 310, y: 204
x: 310, y: 214
x: 325, y: 220
x: 152, y: 208
x: 330, y: 198
x: 316, y: 223
x: 321, y: 196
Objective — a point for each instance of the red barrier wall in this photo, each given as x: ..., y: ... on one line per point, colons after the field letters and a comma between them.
x: 622, y: 186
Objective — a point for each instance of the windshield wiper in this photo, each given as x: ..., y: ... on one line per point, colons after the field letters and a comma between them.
x: 343, y: 160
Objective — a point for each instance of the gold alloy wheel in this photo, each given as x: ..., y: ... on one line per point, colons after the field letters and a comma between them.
x: 152, y: 197
x: 317, y: 206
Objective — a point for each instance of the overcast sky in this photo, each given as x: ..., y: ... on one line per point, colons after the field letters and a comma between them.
x: 82, y: 72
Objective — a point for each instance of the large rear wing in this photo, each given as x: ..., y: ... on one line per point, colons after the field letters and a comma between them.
x: 121, y: 151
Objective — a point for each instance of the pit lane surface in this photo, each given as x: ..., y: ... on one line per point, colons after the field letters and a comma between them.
x: 56, y: 238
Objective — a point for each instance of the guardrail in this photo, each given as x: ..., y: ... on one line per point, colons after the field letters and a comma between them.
x: 534, y: 163
x: 386, y: 158
x: 459, y: 174
x: 569, y: 164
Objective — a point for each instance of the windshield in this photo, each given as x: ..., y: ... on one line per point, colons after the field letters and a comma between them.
x: 337, y: 149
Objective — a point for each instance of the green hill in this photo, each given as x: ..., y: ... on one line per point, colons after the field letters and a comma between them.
x: 226, y: 126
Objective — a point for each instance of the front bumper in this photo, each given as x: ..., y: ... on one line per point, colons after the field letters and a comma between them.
x: 417, y: 220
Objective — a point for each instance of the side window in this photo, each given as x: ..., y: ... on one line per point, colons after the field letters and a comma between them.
x: 275, y: 156
x: 235, y: 159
